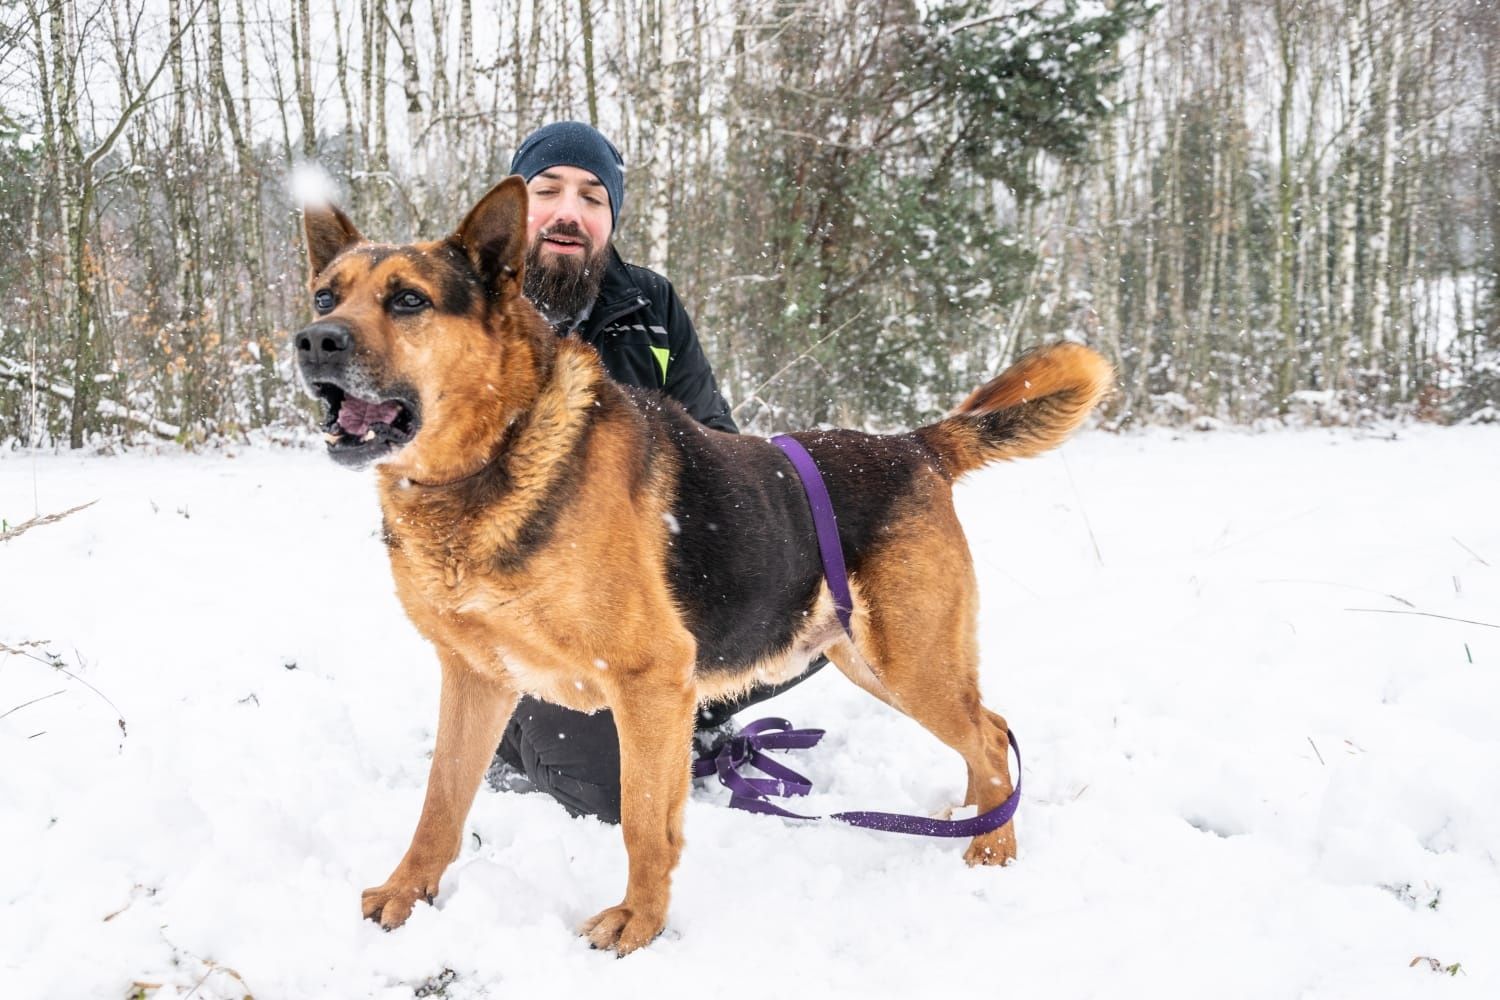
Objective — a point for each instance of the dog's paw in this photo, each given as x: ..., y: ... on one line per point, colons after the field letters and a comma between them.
x: 995, y: 848
x: 623, y: 929
x: 390, y: 904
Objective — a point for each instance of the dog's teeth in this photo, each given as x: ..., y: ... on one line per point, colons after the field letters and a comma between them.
x: 369, y: 436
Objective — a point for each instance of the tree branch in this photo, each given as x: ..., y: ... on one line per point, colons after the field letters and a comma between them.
x: 102, y: 150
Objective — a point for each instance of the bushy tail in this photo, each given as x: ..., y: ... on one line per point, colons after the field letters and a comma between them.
x: 1027, y: 409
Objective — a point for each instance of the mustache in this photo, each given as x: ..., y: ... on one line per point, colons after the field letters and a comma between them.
x: 569, y: 229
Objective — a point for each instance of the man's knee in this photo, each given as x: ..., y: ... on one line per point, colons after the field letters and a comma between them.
x: 571, y: 756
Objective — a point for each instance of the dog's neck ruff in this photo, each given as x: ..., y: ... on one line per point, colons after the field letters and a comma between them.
x: 826, y: 524
x: 488, y: 465
x: 564, y: 398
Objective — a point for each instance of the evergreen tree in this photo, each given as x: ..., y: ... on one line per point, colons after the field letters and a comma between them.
x: 876, y: 187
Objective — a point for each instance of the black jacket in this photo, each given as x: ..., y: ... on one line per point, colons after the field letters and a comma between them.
x: 645, y: 338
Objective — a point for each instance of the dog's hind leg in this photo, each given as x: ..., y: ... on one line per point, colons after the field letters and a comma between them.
x: 472, y: 716
x: 654, y: 712
x: 918, y: 654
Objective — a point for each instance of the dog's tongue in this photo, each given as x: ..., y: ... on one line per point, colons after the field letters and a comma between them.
x: 356, y: 415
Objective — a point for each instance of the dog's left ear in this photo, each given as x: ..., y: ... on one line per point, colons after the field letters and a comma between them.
x: 329, y: 233
x: 494, y: 235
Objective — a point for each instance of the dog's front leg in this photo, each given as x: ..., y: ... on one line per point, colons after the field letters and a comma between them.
x: 654, y: 716
x: 474, y: 711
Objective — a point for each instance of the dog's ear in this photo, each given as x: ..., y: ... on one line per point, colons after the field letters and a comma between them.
x: 329, y: 233
x: 493, y: 234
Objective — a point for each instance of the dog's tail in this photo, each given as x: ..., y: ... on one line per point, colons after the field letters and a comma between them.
x: 1027, y: 409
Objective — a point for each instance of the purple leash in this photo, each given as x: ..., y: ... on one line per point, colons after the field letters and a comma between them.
x: 827, y: 527
x: 750, y: 745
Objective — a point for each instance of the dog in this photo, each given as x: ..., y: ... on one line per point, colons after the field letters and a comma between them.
x: 556, y: 534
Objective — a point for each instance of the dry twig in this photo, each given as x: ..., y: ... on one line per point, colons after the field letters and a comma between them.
x: 1424, y: 614
x: 1471, y: 552
x: 39, y: 520
x: 55, y: 662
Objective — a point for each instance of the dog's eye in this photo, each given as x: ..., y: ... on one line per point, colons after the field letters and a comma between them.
x: 408, y: 302
x: 323, y: 300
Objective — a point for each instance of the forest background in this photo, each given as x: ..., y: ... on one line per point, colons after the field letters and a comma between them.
x: 1268, y: 210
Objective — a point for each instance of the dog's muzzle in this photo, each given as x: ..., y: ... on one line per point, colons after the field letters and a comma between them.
x: 363, y: 422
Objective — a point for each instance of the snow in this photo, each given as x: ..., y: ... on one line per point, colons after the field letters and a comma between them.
x: 1244, y: 778
x: 312, y: 186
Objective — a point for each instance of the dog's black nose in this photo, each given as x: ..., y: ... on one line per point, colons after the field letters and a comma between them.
x: 324, y: 344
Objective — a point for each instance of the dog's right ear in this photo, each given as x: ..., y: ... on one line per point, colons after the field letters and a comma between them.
x: 493, y: 234
x: 329, y: 233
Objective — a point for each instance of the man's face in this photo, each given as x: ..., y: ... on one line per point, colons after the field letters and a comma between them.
x: 568, y: 213
x: 568, y: 226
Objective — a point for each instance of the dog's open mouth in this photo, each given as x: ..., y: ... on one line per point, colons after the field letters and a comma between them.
x: 361, y: 430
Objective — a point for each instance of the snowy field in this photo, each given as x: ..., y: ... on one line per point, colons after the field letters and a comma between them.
x: 1254, y: 767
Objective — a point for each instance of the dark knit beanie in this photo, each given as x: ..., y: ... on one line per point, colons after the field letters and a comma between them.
x: 574, y: 144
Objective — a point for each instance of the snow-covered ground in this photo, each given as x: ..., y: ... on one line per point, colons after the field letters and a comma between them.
x: 1253, y: 769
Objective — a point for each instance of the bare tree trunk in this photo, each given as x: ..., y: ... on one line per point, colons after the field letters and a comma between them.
x: 380, y: 25
x: 341, y: 67
x: 252, y: 225
x: 184, y: 244
x: 1490, y: 153
x: 411, y: 79
x: 1104, y: 264
x: 661, y: 156
x: 523, y: 70
x: 468, y: 96
x: 1347, y: 330
x: 271, y: 44
x: 1286, y: 316
x: 244, y: 35
x: 75, y: 202
x: 369, y: 23
x: 1208, y: 264
x: 1139, y: 384
x: 1242, y: 298
x: 561, y: 90
x: 624, y: 17
x: 302, y: 73
x: 1389, y: 66
x: 441, y: 101
x: 586, y: 17
x: 1176, y: 267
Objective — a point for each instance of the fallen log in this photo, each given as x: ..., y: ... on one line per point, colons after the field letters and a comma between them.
x: 15, y: 371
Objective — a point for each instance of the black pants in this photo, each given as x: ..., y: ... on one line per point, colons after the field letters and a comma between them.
x: 575, y: 758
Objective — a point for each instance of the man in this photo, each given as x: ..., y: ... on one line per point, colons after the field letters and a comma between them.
x: 576, y: 182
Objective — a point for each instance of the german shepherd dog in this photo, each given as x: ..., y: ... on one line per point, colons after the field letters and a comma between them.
x: 555, y: 534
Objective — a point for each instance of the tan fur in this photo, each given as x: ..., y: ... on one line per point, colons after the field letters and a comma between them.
x: 1044, y: 397
x: 587, y: 619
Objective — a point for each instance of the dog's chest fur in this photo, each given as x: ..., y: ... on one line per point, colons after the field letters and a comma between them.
x: 510, y: 621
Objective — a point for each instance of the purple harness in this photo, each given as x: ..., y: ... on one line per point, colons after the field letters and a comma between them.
x: 751, y: 744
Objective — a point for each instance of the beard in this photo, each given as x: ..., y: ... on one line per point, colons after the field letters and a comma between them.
x: 561, y: 286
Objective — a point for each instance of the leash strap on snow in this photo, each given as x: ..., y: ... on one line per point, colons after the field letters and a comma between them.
x: 750, y: 745
x: 825, y: 524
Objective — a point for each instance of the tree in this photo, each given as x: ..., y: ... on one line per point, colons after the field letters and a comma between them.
x: 873, y: 158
